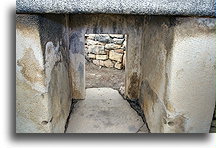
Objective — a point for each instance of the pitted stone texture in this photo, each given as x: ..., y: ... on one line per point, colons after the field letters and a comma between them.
x: 149, y: 7
x: 103, y: 111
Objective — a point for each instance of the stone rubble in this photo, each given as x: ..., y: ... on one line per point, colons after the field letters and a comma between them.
x: 107, y: 50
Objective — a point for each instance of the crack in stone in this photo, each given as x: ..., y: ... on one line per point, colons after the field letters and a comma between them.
x: 73, y: 102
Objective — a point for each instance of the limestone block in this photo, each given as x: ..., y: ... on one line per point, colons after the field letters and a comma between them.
x: 92, y: 42
x: 118, y: 41
x: 103, y: 38
x: 119, y: 51
x: 118, y: 36
x: 112, y: 46
x: 124, y: 44
x: 101, y: 57
x: 90, y: 36
x: 96, y: 62
x: 96, y: 49
x: 115, y: 56
x: 92, y: 56
x: 124, y: 60
x: 118, y: 65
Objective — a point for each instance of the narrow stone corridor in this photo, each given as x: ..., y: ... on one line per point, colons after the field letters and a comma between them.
x: 104, y: 111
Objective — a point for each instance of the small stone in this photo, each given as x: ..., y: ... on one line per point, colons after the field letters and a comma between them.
x: 122, y: 90
x: 90, y: 36
x: 103, y: 38
x: 115, y: 56
x: 108, y: 63
x: 92, y: 56
x: 119, y: 50
x: 118, y: 65
x: 124, y: 60
x: 118, y: 41
x: 101, y: 57
x: 124, y: 44
x: 96, y: 62
x: 96, y: 49
x: 118, y: 36
x: 112, y: 46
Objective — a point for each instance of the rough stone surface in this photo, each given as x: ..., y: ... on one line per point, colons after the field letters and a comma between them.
x: 112, y: 46
x: 183, y: 57
x: 101, y: 57
x: 97, y: 46
x: 103, y: 111
x: 147, y: 7
x: 43, y: 86
x: 118, y: 65
x: 115, y: 56
x: 92, y: 56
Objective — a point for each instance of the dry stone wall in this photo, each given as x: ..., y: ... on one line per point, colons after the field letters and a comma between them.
x: 107, y: 50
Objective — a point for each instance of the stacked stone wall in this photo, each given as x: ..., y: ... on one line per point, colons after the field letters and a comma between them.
x: 106, y: 50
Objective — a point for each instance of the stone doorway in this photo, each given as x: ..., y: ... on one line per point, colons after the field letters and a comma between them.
x: 105, y: 58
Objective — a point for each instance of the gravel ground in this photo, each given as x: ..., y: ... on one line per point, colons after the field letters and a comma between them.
x: 103, y: 77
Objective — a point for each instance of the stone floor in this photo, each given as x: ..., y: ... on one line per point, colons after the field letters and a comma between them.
x: 104, y: 111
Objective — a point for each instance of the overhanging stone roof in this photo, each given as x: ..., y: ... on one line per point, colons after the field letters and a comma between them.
x: 146, y: 7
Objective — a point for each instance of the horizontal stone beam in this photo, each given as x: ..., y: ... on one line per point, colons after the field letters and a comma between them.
x: 143, y: 7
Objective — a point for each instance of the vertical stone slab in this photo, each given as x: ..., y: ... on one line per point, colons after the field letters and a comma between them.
x: 54, y: 42
x: 32, y: 112
x: 43, y: 80
x: 156, y: 46
x: 192, y: 76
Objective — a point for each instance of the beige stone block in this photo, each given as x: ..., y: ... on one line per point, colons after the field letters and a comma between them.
x: 96, y: 62
x: 118, y: 65
x: 118, y: 36
x: 96, y: 49
x: 92, y: 56
x: 124, y: 60
x: 101, y: 57
x: 118, y: 41
x: 119, y: 51
x: 112, y: 46
x: 115, y: 56
x: 108, y: 63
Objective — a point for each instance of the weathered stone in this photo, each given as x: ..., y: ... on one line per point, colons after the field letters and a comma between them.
x: 96, y: 62
x: 119, y: 50
x: 124, y: 60
x: 112, y: 46
x: 108, y: 63
x: 103, y: 38
x: 115, y: 56
x: 124, y: 44
x: 101, y: 57
x: 92, y: 56
x: 103, y: 111
x: 118, y: 36
x: 118, y: 65
x: 92, y: 42
x: 118, y: 41
x: 96, y: 49
x: 90, y: 36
